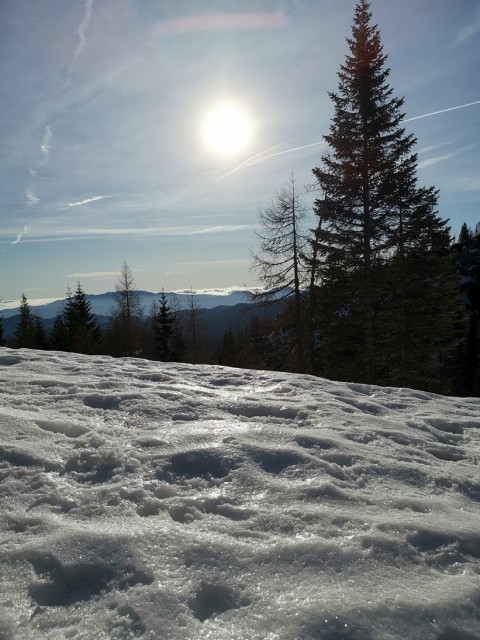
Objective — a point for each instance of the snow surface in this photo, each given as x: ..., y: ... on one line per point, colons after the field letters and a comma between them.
x: 173, y: 501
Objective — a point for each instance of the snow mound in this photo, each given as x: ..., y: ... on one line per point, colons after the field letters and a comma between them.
x: 159, y: 500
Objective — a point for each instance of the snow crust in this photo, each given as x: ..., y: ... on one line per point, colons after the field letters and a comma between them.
x: 152, y: 500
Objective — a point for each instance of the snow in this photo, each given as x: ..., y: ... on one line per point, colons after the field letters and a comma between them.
x: 171, y: 501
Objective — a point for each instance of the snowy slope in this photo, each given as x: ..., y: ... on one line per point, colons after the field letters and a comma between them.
x: 164, y: 501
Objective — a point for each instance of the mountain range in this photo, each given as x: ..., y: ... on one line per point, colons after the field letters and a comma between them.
x: 101, y: 304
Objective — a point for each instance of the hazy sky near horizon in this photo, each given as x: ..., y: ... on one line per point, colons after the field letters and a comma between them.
x: 104, y: 157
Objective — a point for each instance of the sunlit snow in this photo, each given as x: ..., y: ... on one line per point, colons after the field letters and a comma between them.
x: 171, y: 501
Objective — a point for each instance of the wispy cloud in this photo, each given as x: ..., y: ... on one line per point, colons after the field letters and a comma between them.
x: 56, y: 234
x: 20, y: 235
x: 95, y: 275
x: 45, y: 148
x: 226, y: 291
x: 32, y: 199
x: 221, y: 229
x: 82, y: 38
x: 431, y: 161
x: 222, y: 22
x: 88, y: 200
x: 470, y: 30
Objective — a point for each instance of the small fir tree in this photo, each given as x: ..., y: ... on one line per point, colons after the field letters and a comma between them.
x: 164, y: 331
x: 25, y: 331
x: 465, y: 233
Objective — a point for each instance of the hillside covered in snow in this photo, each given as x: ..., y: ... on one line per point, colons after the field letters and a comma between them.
x: 169, y: 501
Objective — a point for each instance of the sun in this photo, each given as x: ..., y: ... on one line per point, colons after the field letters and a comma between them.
x: 227, y: 129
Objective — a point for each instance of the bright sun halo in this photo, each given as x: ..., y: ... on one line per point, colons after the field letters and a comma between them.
x: 227, y: 129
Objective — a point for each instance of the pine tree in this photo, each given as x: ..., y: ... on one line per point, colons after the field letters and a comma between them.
x: 376, y: 224
x: 85, y: 333
x: 76, y: 328
x: 59, y: 338
x: 465, y: 233
x: 226, y: 354
x: 2, y: 337
x: 164, y: 331
x: 25, y: 330
x: 40, y: 335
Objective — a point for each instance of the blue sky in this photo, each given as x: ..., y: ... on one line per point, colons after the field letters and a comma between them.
x: 101, y: 115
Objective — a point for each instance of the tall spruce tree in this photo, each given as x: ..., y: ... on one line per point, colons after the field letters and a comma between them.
x: 370, y: 204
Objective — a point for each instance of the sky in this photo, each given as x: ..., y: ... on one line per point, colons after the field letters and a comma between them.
x: 162, y: 500
x: 105, y: 152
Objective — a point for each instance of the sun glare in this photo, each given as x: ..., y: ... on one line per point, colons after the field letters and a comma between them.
x: 227, y: 129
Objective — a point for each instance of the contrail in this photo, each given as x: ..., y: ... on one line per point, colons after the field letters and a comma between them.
x: 87, y: 201
x: 82, y: 32
x: 435, y: 113
x: 20, y: 235
x: 260, y: 158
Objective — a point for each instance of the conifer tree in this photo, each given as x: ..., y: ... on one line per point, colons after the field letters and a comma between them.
x: 25, y: 330
x: 370, y: 210
x: 76, y: 328
x: 2, y: 337
x: 164, y: 331
x: 59, y: 335
x: 85, y: 332
x: 40, y: 335
x: 465, y: 233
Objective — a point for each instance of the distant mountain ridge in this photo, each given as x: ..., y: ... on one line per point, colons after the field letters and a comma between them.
x: 102, y: 303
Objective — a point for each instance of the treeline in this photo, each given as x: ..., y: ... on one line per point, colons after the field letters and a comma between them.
x: 173, y: 334
x: 164, y: 333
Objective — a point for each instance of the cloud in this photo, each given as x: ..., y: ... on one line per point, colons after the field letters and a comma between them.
x: 45, y: 148
x: 55, y: 234
x: 88, y: 200
x: 82, y: 34
x: 221, y: 229
x: 95, y: 275
x: 472, y: 29
x: 431, y: 161
x: 222, y: 22
x: 32, y: 199
x: 20, y: 235
x: 213, y: 292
